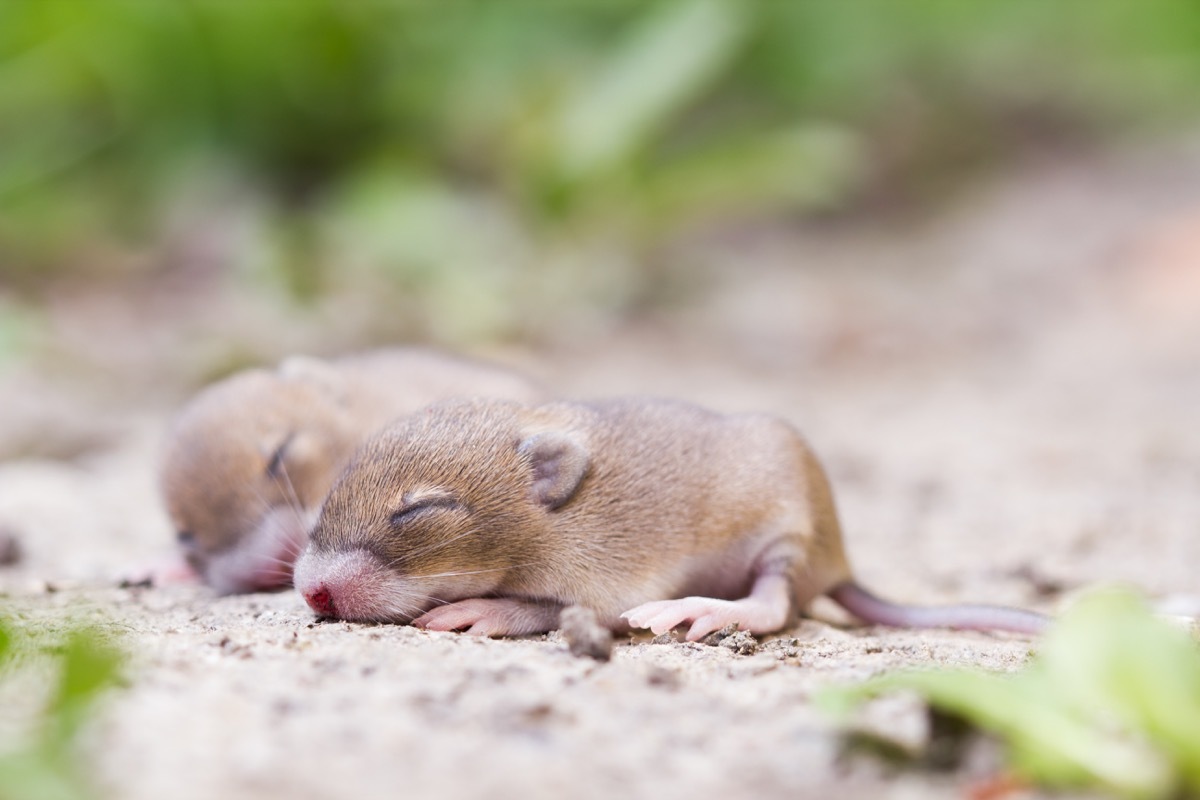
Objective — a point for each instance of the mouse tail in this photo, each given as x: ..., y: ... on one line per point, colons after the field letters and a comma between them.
x: 877, y: 611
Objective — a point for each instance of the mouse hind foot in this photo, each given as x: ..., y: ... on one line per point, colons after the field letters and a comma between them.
x: 766, y: 610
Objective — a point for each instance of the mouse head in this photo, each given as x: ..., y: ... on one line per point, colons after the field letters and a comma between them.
x: 245, y: 467
x: 450, y: 503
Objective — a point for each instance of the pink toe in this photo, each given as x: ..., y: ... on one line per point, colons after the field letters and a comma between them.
x: 441, y: 619
x: 703, y: 627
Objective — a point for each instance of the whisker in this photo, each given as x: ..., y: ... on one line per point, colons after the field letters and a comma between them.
x: 402, y: 602
x: 438, y: 545
x: 293, y: 546
x: 472, y: 572
x: 264, y: 505
x: 289, y: 491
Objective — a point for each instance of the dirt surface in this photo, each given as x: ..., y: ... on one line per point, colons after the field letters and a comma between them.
x: 1005, y: 397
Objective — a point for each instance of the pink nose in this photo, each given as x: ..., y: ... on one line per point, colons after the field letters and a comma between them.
x: 320, y: 600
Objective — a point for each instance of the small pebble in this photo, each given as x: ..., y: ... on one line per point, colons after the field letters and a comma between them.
x: 10, y: 548
x: 740, y: 642
x: 584, y: 634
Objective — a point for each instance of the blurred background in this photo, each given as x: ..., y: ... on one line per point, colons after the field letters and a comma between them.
x: 794, y: 206
x: 540, y: 174
x: 957, y: 242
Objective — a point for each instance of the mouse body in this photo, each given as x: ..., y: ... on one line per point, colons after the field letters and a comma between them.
x: 248, y: 461
x: 491, y: 516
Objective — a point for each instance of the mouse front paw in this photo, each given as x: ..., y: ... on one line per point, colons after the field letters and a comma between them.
x: 491, y: 616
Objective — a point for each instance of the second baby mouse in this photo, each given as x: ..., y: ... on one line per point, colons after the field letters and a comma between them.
x: 248, y: 461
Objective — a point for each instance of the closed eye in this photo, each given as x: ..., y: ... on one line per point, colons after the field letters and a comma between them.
x: 415, y: 508
x: 275, y: 464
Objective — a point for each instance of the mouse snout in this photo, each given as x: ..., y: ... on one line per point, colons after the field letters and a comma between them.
x: 352, y: 585
x: 320, y: 600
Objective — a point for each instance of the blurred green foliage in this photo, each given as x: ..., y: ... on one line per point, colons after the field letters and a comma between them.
x: 47, y: 767
x: 1110, y: 701
x: 438, y: 148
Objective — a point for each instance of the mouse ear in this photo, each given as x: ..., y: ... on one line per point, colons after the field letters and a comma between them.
x: 314, y: 371
x: 559, y: 463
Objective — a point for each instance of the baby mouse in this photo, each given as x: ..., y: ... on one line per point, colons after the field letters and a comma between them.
x: 491, y: 516
x: 248, y: 461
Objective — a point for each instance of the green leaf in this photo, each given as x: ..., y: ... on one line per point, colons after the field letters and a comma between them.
x: 89, y: 665
x: 805, y: 167
x: 42, y: 775
x: 1117, y: 664
x: 1112, y: 700
x: 668, y: 60
x: 48, y: 766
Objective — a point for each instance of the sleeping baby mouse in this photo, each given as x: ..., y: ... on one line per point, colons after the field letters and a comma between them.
x: 492, y: 516
x: 248, y: 461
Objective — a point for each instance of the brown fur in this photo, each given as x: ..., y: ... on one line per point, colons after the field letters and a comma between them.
x: 675, y: 500
x: 492, y: 516
x: 241, y: 517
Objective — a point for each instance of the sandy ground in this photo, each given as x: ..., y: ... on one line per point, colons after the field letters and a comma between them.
x: 1006, y: 400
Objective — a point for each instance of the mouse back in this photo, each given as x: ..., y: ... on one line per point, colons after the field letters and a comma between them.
x: 605, y: 504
